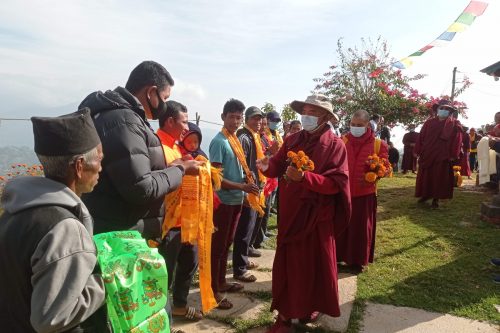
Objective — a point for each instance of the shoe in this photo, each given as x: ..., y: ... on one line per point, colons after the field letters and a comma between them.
x: 496, y: 279
x: 495, y: 261
x: 254, y: 253
x: 270, y: 234
x: 422, y: 200
x: 435, y: 204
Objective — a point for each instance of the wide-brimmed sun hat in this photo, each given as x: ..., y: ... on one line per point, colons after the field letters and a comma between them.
x: 318, y: 100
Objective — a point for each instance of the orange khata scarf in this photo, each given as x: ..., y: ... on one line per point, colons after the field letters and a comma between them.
x: 255, y: 201
x: 197, y: 225
x: 277, y: 135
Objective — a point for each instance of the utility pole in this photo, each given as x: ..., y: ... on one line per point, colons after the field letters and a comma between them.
x: 453, y: 84
x: 197, y: 119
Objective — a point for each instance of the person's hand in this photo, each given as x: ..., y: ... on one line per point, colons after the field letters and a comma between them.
x: 294, y: 175
x: 191, y: 167
x: 274, y: 148
x: 187, y: 157
x: 250, y: 188
x: 263, y: 164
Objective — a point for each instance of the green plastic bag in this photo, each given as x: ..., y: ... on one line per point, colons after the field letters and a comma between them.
x: 136, y: 280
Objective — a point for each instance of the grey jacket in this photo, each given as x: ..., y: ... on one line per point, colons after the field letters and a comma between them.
x: 64, y: 290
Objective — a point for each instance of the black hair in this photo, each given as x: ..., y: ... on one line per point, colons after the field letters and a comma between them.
x: 173, y: 110
x: 148, y: 73
x: 233, y: 106
x: 295, y: 122
x: 375, y: 117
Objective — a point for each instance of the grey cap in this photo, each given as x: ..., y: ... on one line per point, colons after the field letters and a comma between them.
x: 273, y: 116
x: 253, y: 111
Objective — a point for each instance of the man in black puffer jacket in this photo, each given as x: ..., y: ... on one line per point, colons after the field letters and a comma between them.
x: 134, y: 177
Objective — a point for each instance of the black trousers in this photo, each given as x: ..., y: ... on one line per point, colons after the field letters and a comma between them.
x: 242, y: 240
x: 181, y: 260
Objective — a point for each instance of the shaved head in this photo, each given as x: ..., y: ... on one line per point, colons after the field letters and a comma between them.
x: 362, y: 114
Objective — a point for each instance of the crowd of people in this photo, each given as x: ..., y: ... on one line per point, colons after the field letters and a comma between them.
x: 107, y: 170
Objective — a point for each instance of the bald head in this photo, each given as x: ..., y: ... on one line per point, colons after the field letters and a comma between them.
x: 360, y: 118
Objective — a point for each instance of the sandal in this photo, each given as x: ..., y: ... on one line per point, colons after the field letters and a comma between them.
x: 245, y: 277
x: 313, y: 317
x: 281, y: 326
x: 234, y: 287
x: 252, y: 265
x: 190, y: 314
x: 224, y: 304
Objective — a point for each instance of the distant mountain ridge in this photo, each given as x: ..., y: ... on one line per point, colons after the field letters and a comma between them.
x: 10, y: 155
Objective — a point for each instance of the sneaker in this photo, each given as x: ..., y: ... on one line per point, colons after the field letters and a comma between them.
x: 270, y: 234
x: 254, y: 253
x: 495, y: 261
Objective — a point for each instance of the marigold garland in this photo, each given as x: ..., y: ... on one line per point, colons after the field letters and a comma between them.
x: 377, y: 168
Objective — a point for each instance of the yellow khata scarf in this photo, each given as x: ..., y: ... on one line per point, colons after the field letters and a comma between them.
x: 277, y: 136
x: 258, y: 149
x: 254, y: 200
x: 197, y: 225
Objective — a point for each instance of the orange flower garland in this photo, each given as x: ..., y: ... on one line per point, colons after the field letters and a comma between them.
x: 458, y: 175
x: 300, y: 160
x: 377, y: 168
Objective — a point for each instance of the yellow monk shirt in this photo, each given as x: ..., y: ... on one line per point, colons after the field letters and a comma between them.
x: 173, y: 206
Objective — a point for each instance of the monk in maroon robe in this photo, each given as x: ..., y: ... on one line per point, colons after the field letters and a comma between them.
x: 409, y: 160
x: 314, y: 208
x: 356, y: 246
x: 438, y: 148
x: 464, y: 156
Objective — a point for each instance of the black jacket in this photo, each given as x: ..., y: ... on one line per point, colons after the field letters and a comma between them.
x: 134, y: 177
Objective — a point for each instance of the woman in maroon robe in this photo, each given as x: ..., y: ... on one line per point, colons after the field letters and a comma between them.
x: 314, y: 208
x: 438, y: 147
x: 409, y: 160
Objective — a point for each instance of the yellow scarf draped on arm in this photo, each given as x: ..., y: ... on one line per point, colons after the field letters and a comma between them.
x: 277, y: 136
x: 254, y: 200
x: 197, y: 225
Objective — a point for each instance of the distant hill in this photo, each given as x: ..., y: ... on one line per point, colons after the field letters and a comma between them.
x: 16, y: 155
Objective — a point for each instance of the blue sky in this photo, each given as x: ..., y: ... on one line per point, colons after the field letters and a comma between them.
x: 55, y: 52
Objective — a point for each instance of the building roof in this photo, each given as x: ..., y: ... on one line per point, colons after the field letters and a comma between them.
x: 493, y: 70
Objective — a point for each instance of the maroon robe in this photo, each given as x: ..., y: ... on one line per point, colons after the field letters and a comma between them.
x: 438, y: 146
x: 464, y: 158
x: 356, y: 245
x: 311, y: 214
x: 409, y: 161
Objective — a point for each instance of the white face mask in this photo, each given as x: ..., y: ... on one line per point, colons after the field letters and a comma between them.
x: 357, y: 131
x: 443, y: 113
x: 309, y: 123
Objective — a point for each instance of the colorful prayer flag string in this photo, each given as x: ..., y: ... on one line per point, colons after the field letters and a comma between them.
x: 464, y: 20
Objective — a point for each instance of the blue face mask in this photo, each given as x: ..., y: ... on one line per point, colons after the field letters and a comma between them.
x: 358, y: 131
x: 309, y: 123
x: 443, y: 113
x: 273, y: 125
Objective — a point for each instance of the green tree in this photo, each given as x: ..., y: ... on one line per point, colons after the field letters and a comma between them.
x: 366, y: 79
x: 268, y: 107
x: 287, y: 113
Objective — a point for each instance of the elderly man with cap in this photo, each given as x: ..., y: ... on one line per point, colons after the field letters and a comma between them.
x: 314, y: 208
x: 249, y: 137
x: 47, y: 255
x: 438, y: 147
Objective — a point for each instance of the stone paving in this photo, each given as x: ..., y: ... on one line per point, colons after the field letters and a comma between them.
x: 378, y: 318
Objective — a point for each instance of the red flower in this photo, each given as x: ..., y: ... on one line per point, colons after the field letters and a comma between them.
x: 376, y: 73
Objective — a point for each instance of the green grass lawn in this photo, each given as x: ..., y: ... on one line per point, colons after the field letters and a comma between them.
x: 437, y: 260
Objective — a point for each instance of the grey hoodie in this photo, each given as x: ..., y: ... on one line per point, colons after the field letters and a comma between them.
x: 65, y: 292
